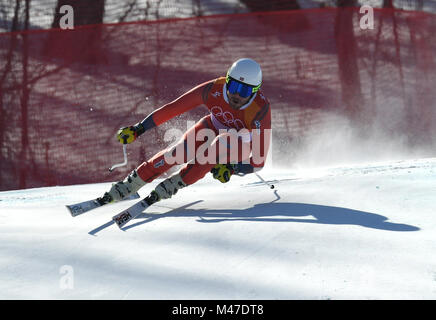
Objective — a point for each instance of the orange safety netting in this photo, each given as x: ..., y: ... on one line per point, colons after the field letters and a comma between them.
x: 64, y: 93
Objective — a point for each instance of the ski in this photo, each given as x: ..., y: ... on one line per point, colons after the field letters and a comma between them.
x: 85, y: 206
x: 122, y: 218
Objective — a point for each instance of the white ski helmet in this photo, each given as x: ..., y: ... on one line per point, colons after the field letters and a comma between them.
x: 246, y: 71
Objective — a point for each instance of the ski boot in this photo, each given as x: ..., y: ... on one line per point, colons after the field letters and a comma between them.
x: 123, y: 189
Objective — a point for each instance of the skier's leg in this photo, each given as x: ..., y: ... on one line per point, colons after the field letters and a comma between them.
x: 196, y: 170
x: 182, y: 152
x: 161, y: 162
x: 226, y: 153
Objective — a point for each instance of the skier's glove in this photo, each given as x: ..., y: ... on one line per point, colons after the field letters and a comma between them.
x: 129, y: 134
x: 223, y: 172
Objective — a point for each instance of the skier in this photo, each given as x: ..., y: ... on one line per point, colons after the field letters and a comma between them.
x: 235, y: 102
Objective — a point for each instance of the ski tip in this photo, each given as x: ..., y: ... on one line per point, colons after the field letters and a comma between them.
x: 122, y: 219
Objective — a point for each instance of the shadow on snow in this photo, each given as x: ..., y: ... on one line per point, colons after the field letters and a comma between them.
x: 277, y: 212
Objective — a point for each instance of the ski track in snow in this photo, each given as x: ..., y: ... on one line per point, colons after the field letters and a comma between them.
x: 350, y: 232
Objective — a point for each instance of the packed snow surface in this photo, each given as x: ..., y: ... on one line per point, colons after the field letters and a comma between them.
x: 352, y: 232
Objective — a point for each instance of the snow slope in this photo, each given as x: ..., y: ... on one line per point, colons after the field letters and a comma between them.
x: 357, y: 232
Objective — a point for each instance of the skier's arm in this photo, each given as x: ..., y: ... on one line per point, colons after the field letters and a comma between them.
x: 182, y: 104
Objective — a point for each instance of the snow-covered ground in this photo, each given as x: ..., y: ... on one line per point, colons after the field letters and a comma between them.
x: 354, y: 232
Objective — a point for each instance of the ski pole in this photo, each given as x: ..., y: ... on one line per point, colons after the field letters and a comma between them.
x: 271, y: 186
x: 123, y: 163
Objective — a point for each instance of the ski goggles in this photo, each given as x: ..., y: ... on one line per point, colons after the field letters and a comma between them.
x: 244, y: 90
